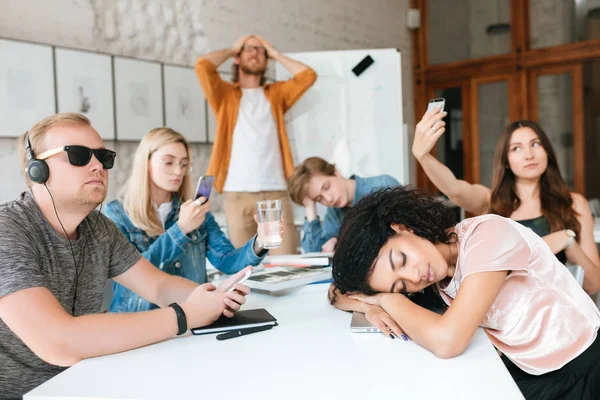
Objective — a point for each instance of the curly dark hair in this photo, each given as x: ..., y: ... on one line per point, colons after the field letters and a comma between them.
x: 367, y: 227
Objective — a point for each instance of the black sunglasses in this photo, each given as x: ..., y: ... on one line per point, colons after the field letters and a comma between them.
x: 80, y: 156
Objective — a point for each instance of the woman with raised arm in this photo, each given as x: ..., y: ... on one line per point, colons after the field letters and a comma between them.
x: 527, y: 187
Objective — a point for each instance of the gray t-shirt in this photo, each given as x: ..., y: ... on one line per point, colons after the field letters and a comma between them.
x: 33, y: 254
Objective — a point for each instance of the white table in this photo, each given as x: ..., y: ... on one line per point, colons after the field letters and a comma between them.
x: 311, y: 354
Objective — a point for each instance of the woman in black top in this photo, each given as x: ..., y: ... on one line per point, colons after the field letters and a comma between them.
x: 527, y: 188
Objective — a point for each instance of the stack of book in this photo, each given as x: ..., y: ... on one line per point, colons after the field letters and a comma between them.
x: 289, y: 271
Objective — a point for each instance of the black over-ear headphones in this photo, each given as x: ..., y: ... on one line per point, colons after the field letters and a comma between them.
x: 37, y: 170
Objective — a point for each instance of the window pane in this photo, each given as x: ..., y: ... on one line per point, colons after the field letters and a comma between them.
x: 461, y: 30
x: 591, y: 105
x: 449, y: 148
x: 493, y: 118
x: 554, y: 22
x: 555, y: 107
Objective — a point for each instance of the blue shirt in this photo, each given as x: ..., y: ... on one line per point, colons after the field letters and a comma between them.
x: 178, y: 254
x: 316, y: 234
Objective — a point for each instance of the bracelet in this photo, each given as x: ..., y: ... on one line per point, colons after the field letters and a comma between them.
x: 181, y: 318
x: 571, y: 236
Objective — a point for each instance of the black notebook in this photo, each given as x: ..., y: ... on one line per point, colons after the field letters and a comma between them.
x: 241, y: 320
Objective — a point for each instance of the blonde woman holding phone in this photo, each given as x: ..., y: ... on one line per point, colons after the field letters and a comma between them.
x: 173, y: 231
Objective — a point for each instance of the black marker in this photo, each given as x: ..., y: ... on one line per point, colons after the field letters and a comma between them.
x: 242, y: 332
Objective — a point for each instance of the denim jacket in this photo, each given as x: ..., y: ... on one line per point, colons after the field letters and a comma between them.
x: 177, y: 253
x: 316, y: 234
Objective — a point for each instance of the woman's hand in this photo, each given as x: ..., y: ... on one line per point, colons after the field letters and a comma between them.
x: 382, y: 320
x: 258, y: 243
x: 427, y: 133
x: 374, y: 300
x: 192, y: 214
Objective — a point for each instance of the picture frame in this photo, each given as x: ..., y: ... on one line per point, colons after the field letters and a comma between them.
x: 138, y: 97
x: 185, y: 109
x: 27, y: 86
x: 84, y: 84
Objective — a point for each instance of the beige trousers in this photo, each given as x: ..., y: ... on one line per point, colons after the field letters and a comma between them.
x: 240, y: 208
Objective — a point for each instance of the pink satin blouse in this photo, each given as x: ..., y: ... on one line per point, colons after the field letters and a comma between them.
x: 541, y: 318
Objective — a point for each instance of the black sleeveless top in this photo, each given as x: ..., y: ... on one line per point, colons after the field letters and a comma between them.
x: 541, y: 226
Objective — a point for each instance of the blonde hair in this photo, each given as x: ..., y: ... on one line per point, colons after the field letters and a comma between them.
x: 298, y: 181
x: 38, y: 131
x: 136, y: 199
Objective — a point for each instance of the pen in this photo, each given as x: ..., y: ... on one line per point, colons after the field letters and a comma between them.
x: 242, y: 332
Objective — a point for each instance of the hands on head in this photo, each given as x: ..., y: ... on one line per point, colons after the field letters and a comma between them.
x: 239, y: 45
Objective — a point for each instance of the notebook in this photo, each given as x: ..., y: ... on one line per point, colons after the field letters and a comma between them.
x: 282, y: 278
x: 241, y: 320
x: 299, y: 260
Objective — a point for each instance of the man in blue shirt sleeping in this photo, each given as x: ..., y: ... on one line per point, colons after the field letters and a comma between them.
x: 317, y: 181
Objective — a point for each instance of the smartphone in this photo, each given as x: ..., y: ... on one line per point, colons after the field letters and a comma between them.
x: 241, y: 280
x: 363, y: 65
x: 435, y: 103
x: 204, y: 187
x: 360, y: 324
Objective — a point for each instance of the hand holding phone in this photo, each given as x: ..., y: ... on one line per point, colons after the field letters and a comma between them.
x: 435, y: 104
x: 229, y: 284
x: 192, y: 214
x: 429, y: 129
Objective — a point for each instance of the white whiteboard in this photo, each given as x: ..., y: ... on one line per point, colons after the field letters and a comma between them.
x: 352, y: 121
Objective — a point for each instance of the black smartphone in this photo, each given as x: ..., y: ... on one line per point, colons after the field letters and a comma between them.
x: 363, y: 65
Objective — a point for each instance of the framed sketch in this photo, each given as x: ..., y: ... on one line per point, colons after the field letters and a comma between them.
x: 212, y: 124
x: 185, y: 110
x: 26, y: 86
x: 139, y: 97
x: 84, y: 85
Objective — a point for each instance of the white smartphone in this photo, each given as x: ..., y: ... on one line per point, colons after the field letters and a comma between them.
x: 435, y: 104
x: 240, y: 280
x: 360, y: 324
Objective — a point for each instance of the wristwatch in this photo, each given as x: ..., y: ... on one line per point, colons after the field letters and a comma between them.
x: 571, y: 236
x: 181, y: 319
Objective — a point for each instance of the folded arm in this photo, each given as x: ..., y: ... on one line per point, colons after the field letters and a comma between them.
x: 447, y: 335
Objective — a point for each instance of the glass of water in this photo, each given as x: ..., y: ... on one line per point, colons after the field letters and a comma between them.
x: 269, y: 223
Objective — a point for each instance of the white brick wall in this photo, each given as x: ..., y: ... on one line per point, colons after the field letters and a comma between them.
x: 177, y: 31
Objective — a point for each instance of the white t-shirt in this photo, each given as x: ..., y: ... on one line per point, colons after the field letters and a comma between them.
x: 163, y: 211
x: 255, y: 164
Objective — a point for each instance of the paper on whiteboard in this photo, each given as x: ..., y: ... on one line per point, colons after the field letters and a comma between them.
x: 352, y: 121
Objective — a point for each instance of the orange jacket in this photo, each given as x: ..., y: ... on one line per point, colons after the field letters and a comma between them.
x: 224, y: 98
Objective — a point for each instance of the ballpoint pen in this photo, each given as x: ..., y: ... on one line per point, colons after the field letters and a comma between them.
x: 242, y: 332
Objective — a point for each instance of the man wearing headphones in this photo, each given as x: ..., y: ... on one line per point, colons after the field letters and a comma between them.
x: 56, y: 255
